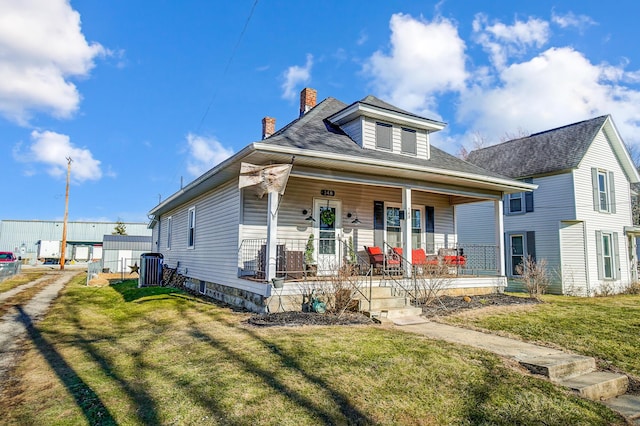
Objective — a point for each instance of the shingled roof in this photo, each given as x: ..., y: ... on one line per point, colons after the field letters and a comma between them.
x: 541, y: 153
x: 313, y: 132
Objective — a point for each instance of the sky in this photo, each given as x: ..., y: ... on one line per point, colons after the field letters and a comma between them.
x: 145, y: 96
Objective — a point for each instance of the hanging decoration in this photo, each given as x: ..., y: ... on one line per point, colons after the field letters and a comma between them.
x: 328, y: 216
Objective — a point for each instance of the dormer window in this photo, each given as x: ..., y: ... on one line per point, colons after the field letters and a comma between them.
x: 409, y: 145
x: 383, y: 135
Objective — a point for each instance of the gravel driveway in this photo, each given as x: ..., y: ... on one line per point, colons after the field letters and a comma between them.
x: 13, y: 325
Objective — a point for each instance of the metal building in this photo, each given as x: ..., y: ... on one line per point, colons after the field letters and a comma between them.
x: 121, y: 251
x: 84, y: 239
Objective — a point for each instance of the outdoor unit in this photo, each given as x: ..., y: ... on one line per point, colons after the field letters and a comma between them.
x: 151, y: 265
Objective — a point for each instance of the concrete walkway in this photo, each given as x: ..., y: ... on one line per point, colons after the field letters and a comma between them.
x: 12, y: 325
x: 576, y: 372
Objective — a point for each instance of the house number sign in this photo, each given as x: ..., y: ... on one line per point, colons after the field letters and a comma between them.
x: 327, y: 192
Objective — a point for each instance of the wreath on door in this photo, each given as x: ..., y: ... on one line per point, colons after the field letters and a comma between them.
x: 328, y: 216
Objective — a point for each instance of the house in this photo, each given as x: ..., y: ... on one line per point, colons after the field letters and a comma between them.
x: 578, y: 219
x: 356, y: 175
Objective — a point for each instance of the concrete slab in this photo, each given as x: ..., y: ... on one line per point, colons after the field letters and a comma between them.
x: 627, y: 405
x: 598, y: 385
x: 409, y: 320
x: 560, y: 366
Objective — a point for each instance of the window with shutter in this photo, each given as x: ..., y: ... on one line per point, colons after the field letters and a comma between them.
x: 383, y: 135
x: 408, y: 141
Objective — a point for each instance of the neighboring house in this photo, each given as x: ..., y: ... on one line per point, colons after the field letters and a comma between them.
x: 578, y: 219
x: 364, y: 174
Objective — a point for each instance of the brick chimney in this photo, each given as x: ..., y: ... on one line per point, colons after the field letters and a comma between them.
x: 268, y: 127
x: 307, y: 100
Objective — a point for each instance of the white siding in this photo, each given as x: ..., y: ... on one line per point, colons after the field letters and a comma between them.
x: 354, y: 130
x: 213, y: 258
x: 476, y: 223
x: 601, y: 155
x: 574, y: 269
x: 369, y: 138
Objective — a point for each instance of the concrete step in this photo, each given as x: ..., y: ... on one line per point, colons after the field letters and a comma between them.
x: 627, y: 405
x: 598, y: 385
x: 383, y: 303
x: 401, y: 312
x: 560, y: 366
x: 409, y: 320
x: 376, y: 292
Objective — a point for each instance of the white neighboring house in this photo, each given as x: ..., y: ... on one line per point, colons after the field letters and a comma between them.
x: 578, y: 219
x: 364, y: 174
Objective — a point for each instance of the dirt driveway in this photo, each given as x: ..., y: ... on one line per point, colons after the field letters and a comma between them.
x: 16, y: 320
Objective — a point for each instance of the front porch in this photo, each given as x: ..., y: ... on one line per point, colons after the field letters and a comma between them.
x: 348, y: 279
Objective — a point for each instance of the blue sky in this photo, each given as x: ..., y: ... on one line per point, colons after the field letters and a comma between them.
x: 142, y: 95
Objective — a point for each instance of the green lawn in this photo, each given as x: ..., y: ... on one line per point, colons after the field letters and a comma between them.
x: 607, y: 328
x: 122, y: 355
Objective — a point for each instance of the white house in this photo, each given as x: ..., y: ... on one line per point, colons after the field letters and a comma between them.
x: 363, y: 174
x: 578, y: 219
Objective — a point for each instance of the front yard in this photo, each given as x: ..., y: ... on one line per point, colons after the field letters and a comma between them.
x: 122, y: 355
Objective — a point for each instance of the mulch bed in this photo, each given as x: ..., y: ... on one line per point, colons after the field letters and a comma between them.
x: 445, y: 306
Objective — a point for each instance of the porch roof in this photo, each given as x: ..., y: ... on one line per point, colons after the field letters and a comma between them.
x: 324, y: 148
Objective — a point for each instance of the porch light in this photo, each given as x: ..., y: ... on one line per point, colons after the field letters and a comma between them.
x: 310, y: 217
x: 356, y: 220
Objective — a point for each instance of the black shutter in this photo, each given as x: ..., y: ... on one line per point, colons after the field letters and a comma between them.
x: 531, y: 244
x: 429, y: 228
x: 378, y: 223
x: 528, y: 198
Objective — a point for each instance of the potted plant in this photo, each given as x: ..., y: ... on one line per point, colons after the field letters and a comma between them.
x: 309, y: 259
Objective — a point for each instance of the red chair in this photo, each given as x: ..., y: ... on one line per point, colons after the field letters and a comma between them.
x: 376, y: 257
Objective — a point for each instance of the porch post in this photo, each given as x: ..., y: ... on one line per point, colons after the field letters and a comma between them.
x: 406, y: 229
x: 499, y: 236
x: 272, y: 235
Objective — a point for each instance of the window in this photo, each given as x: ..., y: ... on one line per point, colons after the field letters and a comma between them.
x: 608, y: 257
x: 408, y: 141
x: 521, y: 245
x: 604, y: 197
x: 416, y: 228
x: 394, y: 231
x: 383, y: 135
x: 191, y: 230
x: 515, y: 203
x: 169, y: 232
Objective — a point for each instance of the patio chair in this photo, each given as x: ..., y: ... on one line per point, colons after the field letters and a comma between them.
x: 376, y: 257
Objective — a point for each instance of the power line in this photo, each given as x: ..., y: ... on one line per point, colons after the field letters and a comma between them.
x: 226, y: 68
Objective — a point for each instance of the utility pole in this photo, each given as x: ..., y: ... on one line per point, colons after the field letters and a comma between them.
x: 63, y: 247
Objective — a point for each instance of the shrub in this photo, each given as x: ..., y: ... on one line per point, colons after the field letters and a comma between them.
x: 534, y: 276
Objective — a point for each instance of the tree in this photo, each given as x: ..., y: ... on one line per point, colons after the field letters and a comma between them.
x: 120, y: 228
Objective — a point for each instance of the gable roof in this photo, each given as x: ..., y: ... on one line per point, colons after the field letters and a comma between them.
x: 546, y: 152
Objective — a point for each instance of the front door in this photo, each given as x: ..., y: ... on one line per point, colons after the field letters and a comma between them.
x: 328, y: 227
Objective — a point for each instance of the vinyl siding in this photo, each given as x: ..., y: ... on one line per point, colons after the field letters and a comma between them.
x: 369, y: 138
x: 476, y: 223
x: 600, y: 155
x: 354, y: 130
x: 574, y: 262
x: 213, y: 257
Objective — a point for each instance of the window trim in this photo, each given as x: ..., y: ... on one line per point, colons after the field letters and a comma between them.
x: 169, y: 231
x: 528, y: 249
x: 191, y: 227
x: 520, y: 196
x: 605, y: 192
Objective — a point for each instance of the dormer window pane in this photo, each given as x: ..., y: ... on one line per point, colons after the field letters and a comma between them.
x: 409, y: 141
x: 383, y: 135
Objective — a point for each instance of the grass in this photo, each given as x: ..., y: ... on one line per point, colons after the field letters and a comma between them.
x: 607, y: 328
x: 24, y: 296
x: 22, y: 278
x: 122, y: 355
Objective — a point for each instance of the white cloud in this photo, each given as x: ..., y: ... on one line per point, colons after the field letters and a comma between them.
x: 296, y: 75
x: 503, y: 41
x: 204, y: 153
x: 42, y: 46
x: 52, y: 149
x: 560, y: 86
x: 581, y: 22
x: 425, y: 59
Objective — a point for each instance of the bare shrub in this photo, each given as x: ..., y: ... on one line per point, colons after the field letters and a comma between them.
x: 606, y: 289
x: 431, y: 282
x: 534, y: 276
x: 342, y: 290
x: 633, y: 288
